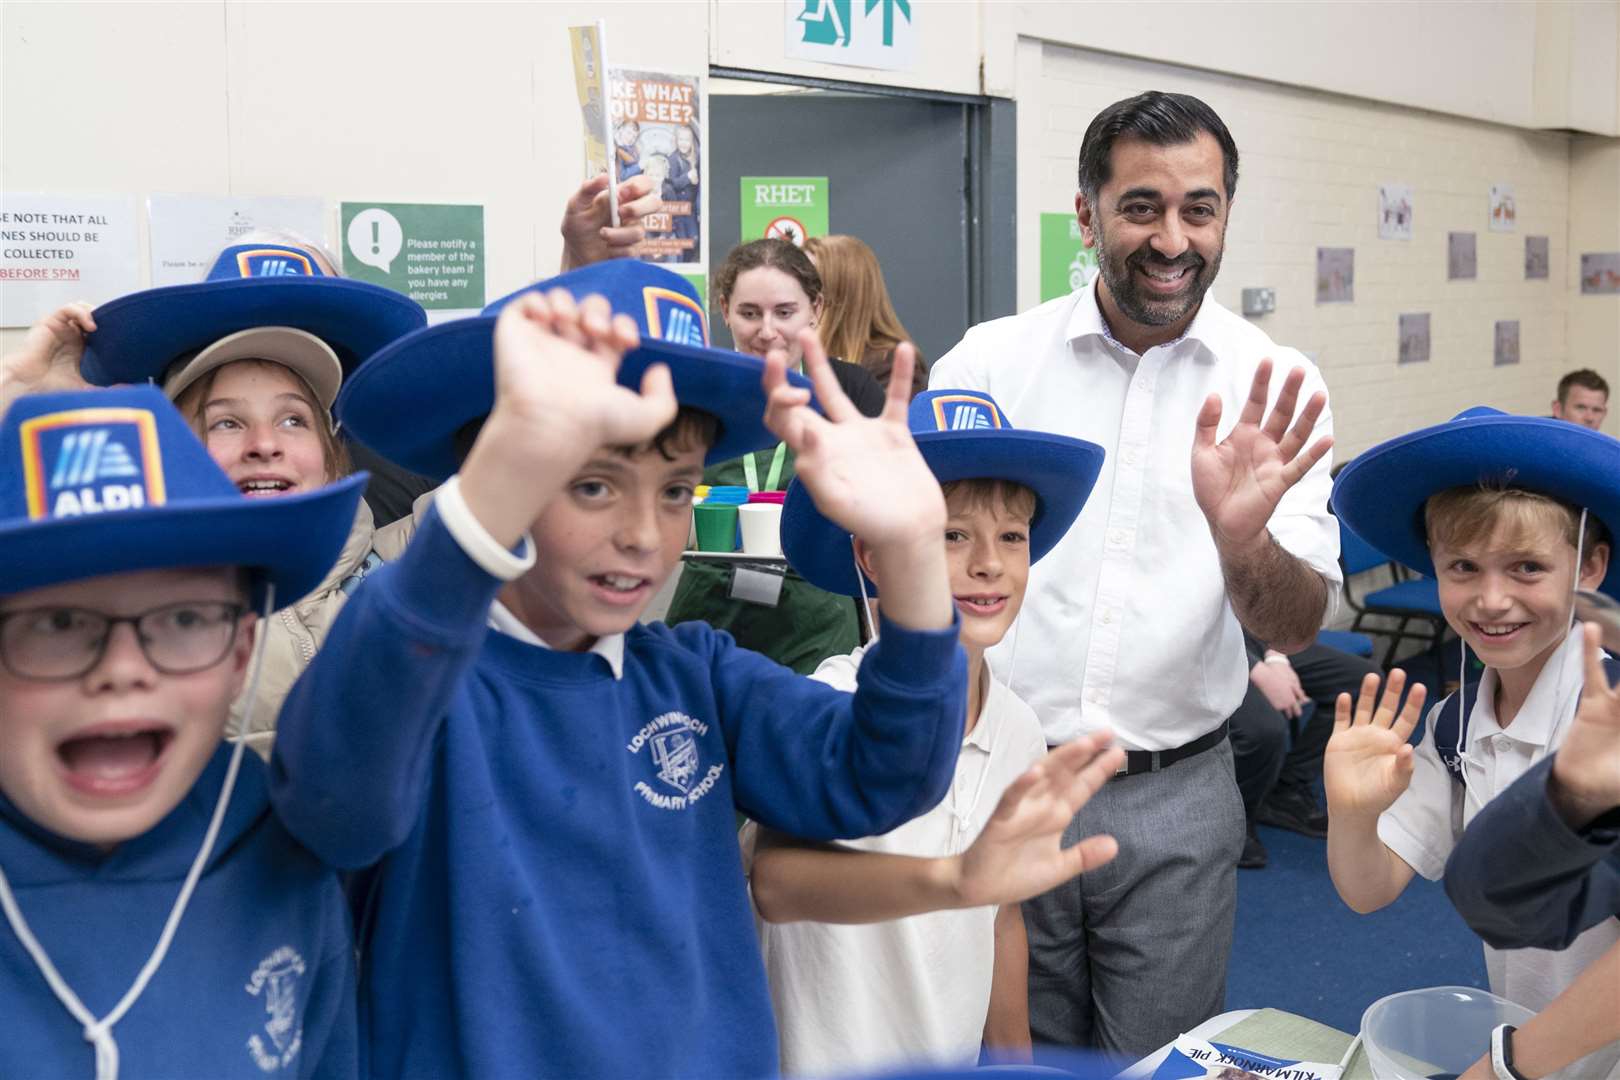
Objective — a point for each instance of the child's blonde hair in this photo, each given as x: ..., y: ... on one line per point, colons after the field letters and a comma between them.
x: 1461, y: 516
x: 984, y: 493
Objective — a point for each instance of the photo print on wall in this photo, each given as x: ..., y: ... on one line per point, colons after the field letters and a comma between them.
x: 1507, y: 342
x: 1537, y: 260
x: 1335, y: 275
x: 1394, y: 212
x: 1461, y: 264
x: 1414, y: 347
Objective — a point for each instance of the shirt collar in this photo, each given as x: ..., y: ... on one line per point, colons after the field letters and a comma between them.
x: 609, y: 647
x: 1551, y: 702
x: 1087, y: 321
x: 984, y: 732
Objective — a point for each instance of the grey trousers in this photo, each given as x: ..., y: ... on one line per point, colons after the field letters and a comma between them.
x: 1126, y: 957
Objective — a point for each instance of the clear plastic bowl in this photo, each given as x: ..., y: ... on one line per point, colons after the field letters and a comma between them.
x: 1438, y: 1032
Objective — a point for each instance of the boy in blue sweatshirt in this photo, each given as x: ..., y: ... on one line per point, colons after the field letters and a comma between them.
x: 542, y: 789
x: 159, y: 921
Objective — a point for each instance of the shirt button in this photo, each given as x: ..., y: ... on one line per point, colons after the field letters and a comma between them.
x: 1130, y: 457
x: 1094, y: 696
x: 1503, y: 744
x: 1108, y: 617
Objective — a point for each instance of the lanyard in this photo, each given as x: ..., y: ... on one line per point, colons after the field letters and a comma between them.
x: 772, y: 477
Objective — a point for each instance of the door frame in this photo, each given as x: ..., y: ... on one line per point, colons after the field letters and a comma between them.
x: 990, y: 180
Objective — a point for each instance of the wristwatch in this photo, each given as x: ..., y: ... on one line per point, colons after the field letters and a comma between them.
x: 1502, y: 1053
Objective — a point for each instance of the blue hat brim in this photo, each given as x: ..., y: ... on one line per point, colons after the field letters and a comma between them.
x: 292, y: 540
x: 1380, y: 495
x: 1061, y: 471
x: 138, y: 336
x: 408, y: 401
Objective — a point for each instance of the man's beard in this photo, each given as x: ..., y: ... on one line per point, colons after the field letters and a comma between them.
x: 1139, y: 305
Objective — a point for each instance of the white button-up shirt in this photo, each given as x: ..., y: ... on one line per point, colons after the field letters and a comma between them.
x: 1126, y: 622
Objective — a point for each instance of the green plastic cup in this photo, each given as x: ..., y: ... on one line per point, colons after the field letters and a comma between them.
x: 716, y: 526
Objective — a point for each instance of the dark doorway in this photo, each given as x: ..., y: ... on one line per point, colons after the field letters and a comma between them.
x: 925, y: 182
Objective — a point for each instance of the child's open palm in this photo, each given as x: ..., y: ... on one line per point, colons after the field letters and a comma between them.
x: 864, y: 473
x: 1368, y: 762
x: 1020, y: 853
x: 556, y: 378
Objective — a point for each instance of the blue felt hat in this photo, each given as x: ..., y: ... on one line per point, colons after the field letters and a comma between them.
x: 111, y: 481
x: 1381, y: 494
x: 408, y: 401
x: 963, y: 435
x: 138, y: 336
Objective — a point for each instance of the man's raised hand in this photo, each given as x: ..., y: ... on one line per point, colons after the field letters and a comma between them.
x: 1239, y: 480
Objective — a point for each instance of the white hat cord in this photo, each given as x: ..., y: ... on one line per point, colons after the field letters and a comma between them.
x: 99, y: 1032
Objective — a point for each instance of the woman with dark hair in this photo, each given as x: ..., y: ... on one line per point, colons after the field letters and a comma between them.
x: 767, y: 291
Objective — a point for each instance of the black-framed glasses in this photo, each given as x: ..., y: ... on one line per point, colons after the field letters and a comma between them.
x: 59, y: 643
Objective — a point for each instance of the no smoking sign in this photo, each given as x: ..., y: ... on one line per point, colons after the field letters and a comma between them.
x: 786, y: 228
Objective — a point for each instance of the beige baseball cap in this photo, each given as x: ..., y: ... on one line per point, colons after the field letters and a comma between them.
x: 302, y: 352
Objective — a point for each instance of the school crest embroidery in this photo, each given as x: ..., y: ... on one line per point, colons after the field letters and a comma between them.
x: 276, y: 978
x: 673, y: 743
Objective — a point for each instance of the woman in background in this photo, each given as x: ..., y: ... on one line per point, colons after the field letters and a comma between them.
x: 858, y: 318
x: 766, y: 292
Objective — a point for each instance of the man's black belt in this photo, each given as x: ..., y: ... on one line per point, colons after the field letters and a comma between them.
x: 1145, y: 761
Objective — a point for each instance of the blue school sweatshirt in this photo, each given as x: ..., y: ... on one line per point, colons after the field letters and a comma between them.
x: 557, y: 888
x: 259, y: 981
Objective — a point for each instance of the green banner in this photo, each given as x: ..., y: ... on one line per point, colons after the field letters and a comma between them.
x: 1066, y: 263
x: 431, y: 252
x: 788, y: 207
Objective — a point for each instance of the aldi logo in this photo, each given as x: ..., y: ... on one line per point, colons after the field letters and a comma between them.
x: 673, y: 316
x: 965, y: 412
x: 91, y: 461
x: 274, y: 262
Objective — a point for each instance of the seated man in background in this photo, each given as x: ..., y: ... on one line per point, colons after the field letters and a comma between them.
x: 1583, y: 398
x: 1278, y: 783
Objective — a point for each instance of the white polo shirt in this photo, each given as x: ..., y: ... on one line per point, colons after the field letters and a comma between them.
x: 1429, y: 818
x: 1128, y: 621
x: 854, y: 999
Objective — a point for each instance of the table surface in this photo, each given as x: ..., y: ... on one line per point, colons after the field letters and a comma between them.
x: 734, y: 556
x: 1274, y: 1033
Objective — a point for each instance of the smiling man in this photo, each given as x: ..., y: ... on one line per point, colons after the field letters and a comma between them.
x: 1209, y: 517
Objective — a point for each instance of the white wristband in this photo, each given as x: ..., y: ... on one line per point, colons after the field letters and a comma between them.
x: 475, y: 540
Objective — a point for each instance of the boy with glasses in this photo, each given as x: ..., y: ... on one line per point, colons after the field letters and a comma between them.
x: 158, y: 916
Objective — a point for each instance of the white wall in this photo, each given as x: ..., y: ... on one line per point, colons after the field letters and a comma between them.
x: 474, y: 102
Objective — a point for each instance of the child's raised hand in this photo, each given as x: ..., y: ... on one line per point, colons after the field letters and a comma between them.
x: 49, y: 357
x: 1020, y: 853
x: 864, y: 473
x: 1368, y: 762
x: 1586, y: 771
x: 557, y: 401
x: 556, y: 373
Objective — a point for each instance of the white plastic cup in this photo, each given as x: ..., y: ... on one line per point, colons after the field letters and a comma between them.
x: 761, y: 528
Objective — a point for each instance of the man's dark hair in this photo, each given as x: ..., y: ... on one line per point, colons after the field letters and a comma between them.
x: 1586, y: 378
x: 1156, y: 117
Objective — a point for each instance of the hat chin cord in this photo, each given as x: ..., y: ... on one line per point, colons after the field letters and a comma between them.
x: 99, y: 1032
x: 1563, y: 663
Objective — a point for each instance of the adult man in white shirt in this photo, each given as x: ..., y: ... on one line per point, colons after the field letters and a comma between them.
x: 1210, y: 516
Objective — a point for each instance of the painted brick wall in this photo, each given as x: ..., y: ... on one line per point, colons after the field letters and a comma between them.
x: 1311, y: 164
